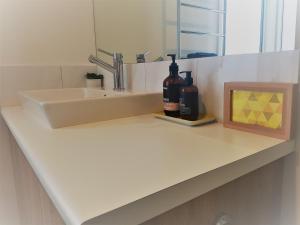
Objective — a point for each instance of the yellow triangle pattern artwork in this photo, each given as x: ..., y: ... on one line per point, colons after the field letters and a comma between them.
x: 257, y: 108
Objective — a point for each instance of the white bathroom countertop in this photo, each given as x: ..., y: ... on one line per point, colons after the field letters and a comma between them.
x: 126, y: 171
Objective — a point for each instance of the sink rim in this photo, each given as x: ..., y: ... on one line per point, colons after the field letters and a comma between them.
x: 27, y: 94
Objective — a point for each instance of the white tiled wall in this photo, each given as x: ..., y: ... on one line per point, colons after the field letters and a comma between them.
x: 278, y: 67
x: 74, y: 76
x: 14, y: 79
x: 136, y: 77
x: 211, y: 73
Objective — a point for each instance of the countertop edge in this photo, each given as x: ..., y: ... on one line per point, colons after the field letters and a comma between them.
x: 165, y: 200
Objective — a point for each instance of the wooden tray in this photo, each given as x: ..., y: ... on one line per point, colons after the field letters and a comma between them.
x: 205, y: 120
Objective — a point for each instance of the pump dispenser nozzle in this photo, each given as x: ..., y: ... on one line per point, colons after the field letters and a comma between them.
x: 188, y: 78
x: 173, y: 56
x: 173, y: 67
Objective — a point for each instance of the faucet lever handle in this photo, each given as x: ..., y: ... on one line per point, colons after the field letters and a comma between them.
x: 105, y: 52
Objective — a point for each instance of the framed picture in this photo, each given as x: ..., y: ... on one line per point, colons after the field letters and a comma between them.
x: 261, y: 108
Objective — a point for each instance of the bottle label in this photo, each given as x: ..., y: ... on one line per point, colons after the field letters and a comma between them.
x: 184, y: 110
x: 171, y: 106
x: 171, y: 98
x: 189, y: 104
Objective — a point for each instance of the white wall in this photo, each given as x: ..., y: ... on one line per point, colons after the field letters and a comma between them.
x: 273, y: 25
x: 289, y: 24
x: 46, y: 32
x: 243, y: 26
x: 276, y: 27
x: 130, y: 27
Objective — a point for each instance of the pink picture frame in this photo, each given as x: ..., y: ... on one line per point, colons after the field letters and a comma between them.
x: 288, y: 89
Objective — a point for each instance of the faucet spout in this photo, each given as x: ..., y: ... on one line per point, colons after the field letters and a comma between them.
x: 101, y: 63
x: 116, y: 68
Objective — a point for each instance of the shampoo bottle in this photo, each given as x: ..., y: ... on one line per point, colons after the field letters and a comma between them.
x: 171, y: 90
x: 189, y: 100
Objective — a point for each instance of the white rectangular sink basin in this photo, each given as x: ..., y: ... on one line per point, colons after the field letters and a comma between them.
x: 58, y: 108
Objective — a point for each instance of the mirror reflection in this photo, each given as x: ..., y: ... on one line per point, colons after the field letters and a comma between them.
x: 148, y: 30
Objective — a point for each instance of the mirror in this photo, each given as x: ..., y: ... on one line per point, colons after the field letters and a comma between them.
x: 193, y: 28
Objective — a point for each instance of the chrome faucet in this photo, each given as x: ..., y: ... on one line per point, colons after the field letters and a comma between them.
x: 116, y: 69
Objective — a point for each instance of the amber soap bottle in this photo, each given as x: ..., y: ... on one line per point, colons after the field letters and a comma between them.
x: 171, y: 90
x: 189, y: 100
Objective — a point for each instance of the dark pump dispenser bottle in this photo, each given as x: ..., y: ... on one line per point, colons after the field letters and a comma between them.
x: 189, y: 100
x: 172, y: 85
